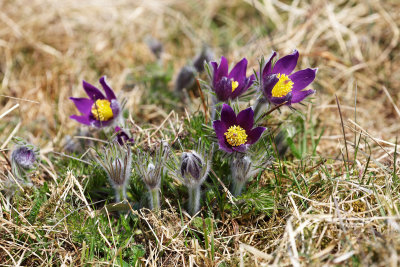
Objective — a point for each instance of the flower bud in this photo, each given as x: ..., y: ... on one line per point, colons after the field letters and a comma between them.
x: 24, y: 157
x: 155, y: 46
x: 191, y: 166
x: 122, y: 137
x: 185, y: 78
x: 206, y: 55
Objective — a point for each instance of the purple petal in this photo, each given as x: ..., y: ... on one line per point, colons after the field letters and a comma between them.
x: 220, y: 130
x: 92, y: 91
x: 109, y: 92
x: 228, y: 116
x: 268, y: 83
x: 254, y: 135
x: 84, y: 105
x: 243, y: 87
x: 81, y: 119
x: 267, y: 67
x: 286, y: 64
x: 101, y: 124
x: 245, y: 119
x: 223, y: 89
x: 299, y: 96
x: 222, y: 69
x: 238, y: 73
x: 241, y: 148
x: 279, y: 100
x: 302, y: 78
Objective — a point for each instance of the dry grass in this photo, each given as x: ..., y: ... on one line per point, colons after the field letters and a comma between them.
x: 48, y: 47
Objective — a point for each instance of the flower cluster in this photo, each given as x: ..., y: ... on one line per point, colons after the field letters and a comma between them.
x: 237, y: 128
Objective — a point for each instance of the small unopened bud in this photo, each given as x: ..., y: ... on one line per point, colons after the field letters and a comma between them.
x: 24, y: 157
x: 155, y: 46
x: 192, y: 166
x: 204, y: 56
x: 185, y: 78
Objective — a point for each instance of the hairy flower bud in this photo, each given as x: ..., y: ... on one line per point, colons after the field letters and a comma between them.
x: 185, y: 78
x: 205, y: 55
x: 116, y: 161
x: 24, y: 157
x: 192, y: 166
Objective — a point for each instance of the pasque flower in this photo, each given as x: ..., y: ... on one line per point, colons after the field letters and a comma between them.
x: 280, y: 85
x: 97, y: 110
x: 116, y: 161
x: 236, y: 133
x: 151, y: 169
x: 230, y: 85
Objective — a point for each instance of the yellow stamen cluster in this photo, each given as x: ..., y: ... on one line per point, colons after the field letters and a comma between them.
x: 101, y: 110
x: 235, y: 85
x: 283, y: 86
x: 236, y: 136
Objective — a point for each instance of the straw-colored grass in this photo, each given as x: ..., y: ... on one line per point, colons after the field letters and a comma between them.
x: 48, y: 47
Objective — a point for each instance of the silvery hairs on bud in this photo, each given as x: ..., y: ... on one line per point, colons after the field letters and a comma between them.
x: 151, y: 168
x: 24, y: 159
x: 194, y: 169
x: 116, y: 161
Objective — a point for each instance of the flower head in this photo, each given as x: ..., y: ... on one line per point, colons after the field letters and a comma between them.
x: 230, y: 85
x: 236, y: 132
x: 280, y: 85
x: 24, y: 157
x: 122, y: 137
x: 97, y: 110
x: 205, y: 55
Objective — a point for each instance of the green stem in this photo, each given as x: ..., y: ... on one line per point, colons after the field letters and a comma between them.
x: 194, y: 199
x: 154, y: 199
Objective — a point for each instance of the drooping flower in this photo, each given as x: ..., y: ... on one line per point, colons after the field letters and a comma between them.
x: 97, y: 110
x: 236, y: 132
x: 122, y: 136
x: 230, y: 85
x: 280, y: 85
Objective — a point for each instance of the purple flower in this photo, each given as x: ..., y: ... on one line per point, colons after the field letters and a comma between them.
x: 236, y: 133
x: 24, y: 157
x: 230, y: 85
x: 122, y: 137
x: 279, y: 85
x: 97, y: 110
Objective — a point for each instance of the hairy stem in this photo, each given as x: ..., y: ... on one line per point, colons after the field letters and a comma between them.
x: 194, y: 199
x: 154, y: 199
x: 237, y: 187
x: 120, y: 193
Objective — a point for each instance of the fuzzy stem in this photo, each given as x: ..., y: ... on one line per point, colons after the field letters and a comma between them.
x: 120, y: 193
x: 237, y: 187
x: 154, y: 199
x: 214, y: 108
x: 261, y: 102
x: 194, y: 199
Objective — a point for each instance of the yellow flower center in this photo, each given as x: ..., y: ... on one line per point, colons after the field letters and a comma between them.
x: 101, y: 110
x: 235, y: 85
x: 283, y: 86
x: 236, y: 136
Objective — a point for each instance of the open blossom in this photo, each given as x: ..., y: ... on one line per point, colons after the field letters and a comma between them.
x: 236, y: 133
x: 280, y: 85
x: 230, y: 85
x: 97, y: 110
